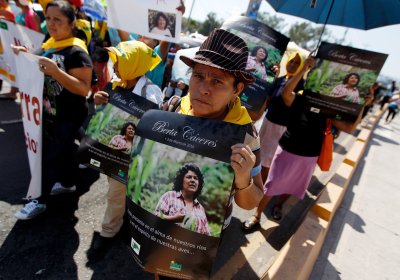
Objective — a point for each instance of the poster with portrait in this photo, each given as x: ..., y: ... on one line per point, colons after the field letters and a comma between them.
x: 340, y: 80
x: 178, y: 192
x: 158, y: 19
x: 111, y: 133
x: 18, y: 35
x: 266, y: 48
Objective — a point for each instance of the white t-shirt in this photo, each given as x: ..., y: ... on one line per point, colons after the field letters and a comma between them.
x: 164, y: 32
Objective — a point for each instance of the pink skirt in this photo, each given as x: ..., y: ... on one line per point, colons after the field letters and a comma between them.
x: 289, y: 174
x: 270, y: 133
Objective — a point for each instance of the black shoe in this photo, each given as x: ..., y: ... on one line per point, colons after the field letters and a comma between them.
x: 101, y: 246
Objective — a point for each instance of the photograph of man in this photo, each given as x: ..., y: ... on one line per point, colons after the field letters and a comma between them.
x: 181, y: 205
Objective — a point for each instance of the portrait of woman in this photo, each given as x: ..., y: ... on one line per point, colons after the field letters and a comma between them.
x: 348, y: 90
x: 124, y: 140
x: 160, y: 25
x: 181, y: 205
x: 256, y: 62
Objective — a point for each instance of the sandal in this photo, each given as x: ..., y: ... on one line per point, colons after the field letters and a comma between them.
x: 251, y: 223
x: 276, y: 212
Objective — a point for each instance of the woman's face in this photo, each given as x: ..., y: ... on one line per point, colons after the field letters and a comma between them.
x: 190, y: 183
x: 293, y: 64
x: 161, y: 23
x: 58, y: 25
x: 353, y: 80
x: 130, y: 131
x: 260, y: 54
x: 211, y: 90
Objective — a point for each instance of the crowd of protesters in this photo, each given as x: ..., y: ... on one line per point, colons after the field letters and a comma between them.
x: 277, y: 162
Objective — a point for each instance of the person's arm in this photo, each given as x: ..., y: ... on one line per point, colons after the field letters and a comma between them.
x: 349, y: 127
x: 123, y: 35
x: 76, y: 80
x: 255, y: 116
x: 248, y: 189
x: 288, y: 94
x: 164, y: 47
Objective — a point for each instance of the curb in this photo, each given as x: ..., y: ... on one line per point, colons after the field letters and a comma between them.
x: 297, y: 258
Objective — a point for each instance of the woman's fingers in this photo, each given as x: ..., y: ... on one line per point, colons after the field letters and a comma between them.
x: 242, y: 156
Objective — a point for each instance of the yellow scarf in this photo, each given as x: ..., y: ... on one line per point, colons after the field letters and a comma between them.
x: 237, y: 114
x: 84, y: 25
x: 73, y: 41
x: 134, y: 60
x: 101, y: 27
x: 292, y: 56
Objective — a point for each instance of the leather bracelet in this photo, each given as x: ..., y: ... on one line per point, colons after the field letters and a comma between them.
x: 250, y: 184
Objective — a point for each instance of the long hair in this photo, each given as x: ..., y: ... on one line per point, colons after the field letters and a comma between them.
x: 180, y: 174
x: 125, y: 127
x: 160, y: 14
x: 255, y: 50
x: 347, y: 77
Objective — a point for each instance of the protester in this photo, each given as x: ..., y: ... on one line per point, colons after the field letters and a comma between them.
x: 296, y: 156
x: 68, y: 71
x: 273, y: 127
x: 160, y: 24
x: 181, y: 205
x: 28, y: 16
x: 374, y: 91
x: 256, y: 62
x: 132, y: 59
x: 393, y: 109
x: 348, y: 90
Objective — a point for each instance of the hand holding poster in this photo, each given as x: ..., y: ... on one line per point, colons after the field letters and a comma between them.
x: 340, y: 81
x: 15, y: 34
x: 31, y: 91
x: 111, y: 133
x: 179, y: 189
x: 158, y: 19
x: 266, y: 47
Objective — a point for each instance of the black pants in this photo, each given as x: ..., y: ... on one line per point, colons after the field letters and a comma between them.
x: 392, y: 112
x: 58, y: 157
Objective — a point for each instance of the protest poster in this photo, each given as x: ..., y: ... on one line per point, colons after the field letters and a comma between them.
x: 111, y: 133
x: 158, y: 19
x: 180, y: 157
x: 18, y: 35
x: 31, y: 92
x: 266, y: 48
x: 340, y: 80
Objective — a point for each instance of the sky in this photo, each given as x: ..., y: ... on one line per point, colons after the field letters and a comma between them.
x: 384, y: 39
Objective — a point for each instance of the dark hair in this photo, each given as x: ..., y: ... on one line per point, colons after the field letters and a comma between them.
x: 255, y: 50
x: 160, y: 14
x: 125, y: 127
x: 347, y: 77
x: 180, y: 174
x: 65, y: 8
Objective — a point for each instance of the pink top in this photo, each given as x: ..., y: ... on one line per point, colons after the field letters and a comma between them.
x: 345, y: 93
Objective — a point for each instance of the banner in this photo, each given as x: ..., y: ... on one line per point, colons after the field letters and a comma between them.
x: 158, y: 19
x: 17, y: 35
x: 31, y: 91
x: 178, y: 194
x: 266, y: 48
x: 111, y: 133
x: 341, y: 79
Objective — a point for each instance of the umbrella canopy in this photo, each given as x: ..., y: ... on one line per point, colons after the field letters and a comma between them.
x: 95, y: 9
x: 360, y: 14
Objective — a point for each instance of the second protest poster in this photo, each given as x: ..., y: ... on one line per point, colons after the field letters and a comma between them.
x: 179, y: 191
x: 266, y: 48
x: 340, y: 81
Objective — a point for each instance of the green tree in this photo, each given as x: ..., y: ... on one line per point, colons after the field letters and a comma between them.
x: 275, y: 22
x: 190, y: 25
x: 209, y: 24
x: 307, y: 36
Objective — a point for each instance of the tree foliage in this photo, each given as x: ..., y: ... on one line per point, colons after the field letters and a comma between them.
x: 307, y: 36
x: 209, y: 24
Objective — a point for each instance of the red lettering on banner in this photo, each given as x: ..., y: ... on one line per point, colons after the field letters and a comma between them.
x: 31, y: 144
x: 32, y: 106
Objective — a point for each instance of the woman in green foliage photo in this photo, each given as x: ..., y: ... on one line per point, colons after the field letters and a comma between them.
x: 123, y: 141
x: 348, y: 90
x: 181, y: 205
